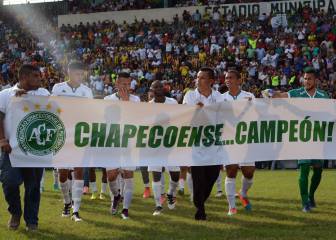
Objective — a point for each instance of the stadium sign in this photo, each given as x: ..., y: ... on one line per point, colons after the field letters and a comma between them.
x: 114, y: 134
x: 240, y: 10
x: 256, y: 9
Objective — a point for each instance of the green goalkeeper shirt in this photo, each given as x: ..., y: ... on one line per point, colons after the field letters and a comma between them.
x: 302, y: 93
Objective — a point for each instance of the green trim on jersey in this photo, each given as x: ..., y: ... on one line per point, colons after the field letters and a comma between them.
x: 311, y: 162
x: 302, y: 93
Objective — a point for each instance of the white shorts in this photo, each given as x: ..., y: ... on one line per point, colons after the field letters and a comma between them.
x: 121, y: 169
x: 249, y: 164
x: 159, y: 169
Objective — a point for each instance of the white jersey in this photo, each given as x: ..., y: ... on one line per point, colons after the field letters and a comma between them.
x: 5, y: 96
x: 159, y: 168
x: 167, y: 101
x: 115, y: 97
x: 64, y: 89
x: 194, y: 97
x: 241, y: 95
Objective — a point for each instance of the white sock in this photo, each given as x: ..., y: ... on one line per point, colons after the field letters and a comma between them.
x: 42, y: 179
x: 70, y: 183
x: 219, y: 182
x: 103, y: 187
x: 147, y: 185
x: 181, y: 183
x: 55, y: 173
x: 121, y: 185
x: 93, y: 187
x: 190, y: 184
x: 128, y: 192
x: 230, y: 189
x: 172, y: 188
x: 157, y: 193
x: 77, y: 192
x: 163, y: 191
x: 246, y: 185
x: 114, y: 187
x: 65, y: 191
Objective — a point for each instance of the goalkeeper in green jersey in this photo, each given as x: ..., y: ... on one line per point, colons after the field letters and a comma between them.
x: 309, y: 90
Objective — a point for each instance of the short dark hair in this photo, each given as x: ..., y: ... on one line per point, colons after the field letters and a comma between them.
x: 209, y: 71
x: 311, y: 70
x: 123, y: 75
x: 26, y: 69
x: 234, y: 71
x: 76, y: 65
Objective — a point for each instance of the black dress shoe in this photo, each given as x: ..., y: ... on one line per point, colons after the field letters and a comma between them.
x: 200, y: 216
x: 14, y: 222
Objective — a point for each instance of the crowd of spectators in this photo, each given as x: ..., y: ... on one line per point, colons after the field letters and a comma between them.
x: 268, y: 51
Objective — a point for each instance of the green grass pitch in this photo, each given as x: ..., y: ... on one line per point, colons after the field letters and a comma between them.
x: 276, y: 215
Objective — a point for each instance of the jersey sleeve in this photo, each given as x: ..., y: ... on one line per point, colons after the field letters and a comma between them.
x: 293, y: 93
x: 137, y: 99
x: 90, y: 94
x: 325, y: 95
x: 45, y: 92
x: 4, y: 97
x: 54, y: 90
x: 187, y: 98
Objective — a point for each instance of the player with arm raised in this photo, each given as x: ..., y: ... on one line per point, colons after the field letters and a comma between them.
x: 309, y: 90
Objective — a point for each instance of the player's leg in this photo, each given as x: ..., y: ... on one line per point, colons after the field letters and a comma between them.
x: 190, y: 184
x: 145, y: 179
x: 65, y: 189
x: 183, y: 177
x: 77, y: 192
x: 86, y: 177
x: 315, y: 181
x: 156, y: 186
x: 121, y: 183
x: 42, y: 181
x: 93, y: 183
x: 163, y: 186
x: 103, y: 184
x: 56, y: 182
x: 303, y: 184
x: 247, y: 181
x: 230, y: 187
x: 112, y: 175
x: 173, y: 184
x: 219, y: 183
x: 198, y: 180
x: 128, y: 177
x: 211, y: 174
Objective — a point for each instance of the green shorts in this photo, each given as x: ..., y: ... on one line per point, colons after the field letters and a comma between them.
x: 311, y: 162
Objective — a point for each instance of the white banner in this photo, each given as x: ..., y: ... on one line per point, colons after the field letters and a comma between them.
x: 71, y: 132
x: 240, y: 10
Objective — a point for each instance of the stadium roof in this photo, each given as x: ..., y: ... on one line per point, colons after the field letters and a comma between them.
x: 14, y: 2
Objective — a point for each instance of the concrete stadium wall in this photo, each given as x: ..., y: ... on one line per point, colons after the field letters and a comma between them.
x: 167, y: 14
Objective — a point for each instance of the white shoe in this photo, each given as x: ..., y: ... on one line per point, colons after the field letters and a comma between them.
x: 75, y: 216
x: 158, y: 211
x: 171, y: 201
x: 219, y: 194
x: 232, y: 211
x: 124, y: 214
